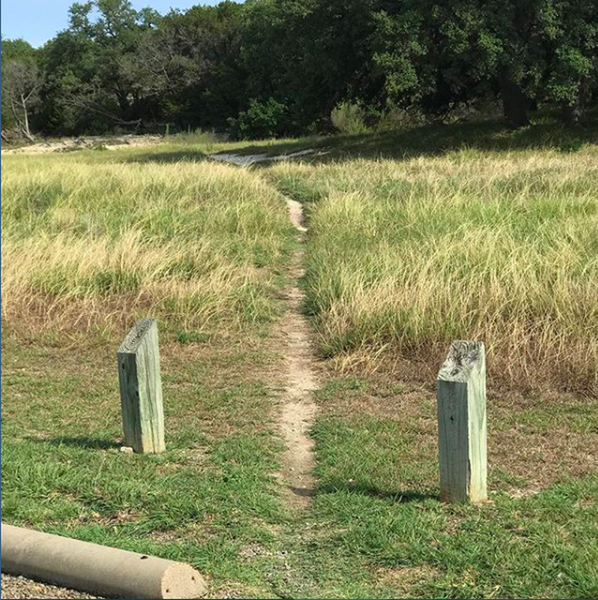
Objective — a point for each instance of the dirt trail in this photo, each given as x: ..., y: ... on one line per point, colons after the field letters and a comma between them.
x: 86, y: 143
x: 299, y: 408
x: 246, y: 160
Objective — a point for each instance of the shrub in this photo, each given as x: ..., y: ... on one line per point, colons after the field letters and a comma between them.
x: 395, y: 118
x: 349, y: 118
x: 195, y: 136
x: 260, y: 121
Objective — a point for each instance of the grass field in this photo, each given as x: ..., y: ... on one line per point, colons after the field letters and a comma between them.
x: 91, y: 242
x: 94, y: 242
x: 501, y: 247
x: 467, y: 233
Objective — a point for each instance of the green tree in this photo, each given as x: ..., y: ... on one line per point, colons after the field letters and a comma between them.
x: 276, y: 57
x: 90, y: 86
x: 281, y: 66
x: 203, y: 45
x: 571, y: 33
x: 309, y: 55
x: 443, y: 54
x: 261, y: 120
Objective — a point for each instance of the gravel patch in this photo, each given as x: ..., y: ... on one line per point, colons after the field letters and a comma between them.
x: 19, y: 587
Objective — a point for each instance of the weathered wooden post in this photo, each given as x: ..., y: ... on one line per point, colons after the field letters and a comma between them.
x: 461, y: 399
x: 141, y: 388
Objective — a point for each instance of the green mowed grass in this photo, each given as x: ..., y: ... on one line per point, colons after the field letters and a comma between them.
x: 205, y: 501
x: 538, y: 547
x: 208, y: 258
x: 378, y: 511
x: 91, y: 242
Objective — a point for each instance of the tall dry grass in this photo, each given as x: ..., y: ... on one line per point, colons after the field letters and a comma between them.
x: 88, y: 243
x: 406, y: 256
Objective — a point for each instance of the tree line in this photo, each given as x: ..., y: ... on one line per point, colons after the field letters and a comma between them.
x: 288, y: 67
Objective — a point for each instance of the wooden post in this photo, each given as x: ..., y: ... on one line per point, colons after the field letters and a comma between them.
x: 141, y: 388
x: 461, y: 398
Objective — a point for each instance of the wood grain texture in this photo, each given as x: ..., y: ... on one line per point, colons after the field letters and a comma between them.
x: 141, y: 388
x: 461, y: 403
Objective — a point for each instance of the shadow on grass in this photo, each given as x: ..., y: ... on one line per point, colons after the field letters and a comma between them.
x: 303, y: 492
x: 434, y: 140
x: 426, y: 140
x: 166, y: 157
x: 87, y: 442
x: 275, y: 147
x: 398, y: 496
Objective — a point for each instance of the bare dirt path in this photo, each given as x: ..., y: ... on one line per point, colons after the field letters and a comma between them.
x: 85, y: 143
x: 299, y: 408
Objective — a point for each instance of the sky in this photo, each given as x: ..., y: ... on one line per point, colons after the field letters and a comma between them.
x: 39, y: 20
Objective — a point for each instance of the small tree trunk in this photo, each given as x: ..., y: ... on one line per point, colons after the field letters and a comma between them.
x: 123, y: 103
x: 571, y: 115
x: 25, y: 127
x: 514, y: 102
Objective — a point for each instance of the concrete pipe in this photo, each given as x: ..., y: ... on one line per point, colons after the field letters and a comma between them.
x: 96, y: 569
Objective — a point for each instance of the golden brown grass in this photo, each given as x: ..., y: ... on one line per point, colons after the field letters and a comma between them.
x: 96, y: 243
x: 503, y: 247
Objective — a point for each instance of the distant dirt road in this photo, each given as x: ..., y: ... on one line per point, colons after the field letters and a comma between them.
x: 84, y: 143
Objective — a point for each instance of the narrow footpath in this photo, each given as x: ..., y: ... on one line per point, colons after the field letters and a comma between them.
x: 299, y: 408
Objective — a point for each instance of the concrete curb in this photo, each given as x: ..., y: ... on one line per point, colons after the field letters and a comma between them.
x: 96, y: 569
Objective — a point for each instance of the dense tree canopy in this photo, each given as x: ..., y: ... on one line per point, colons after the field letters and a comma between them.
x: 275, y: 67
